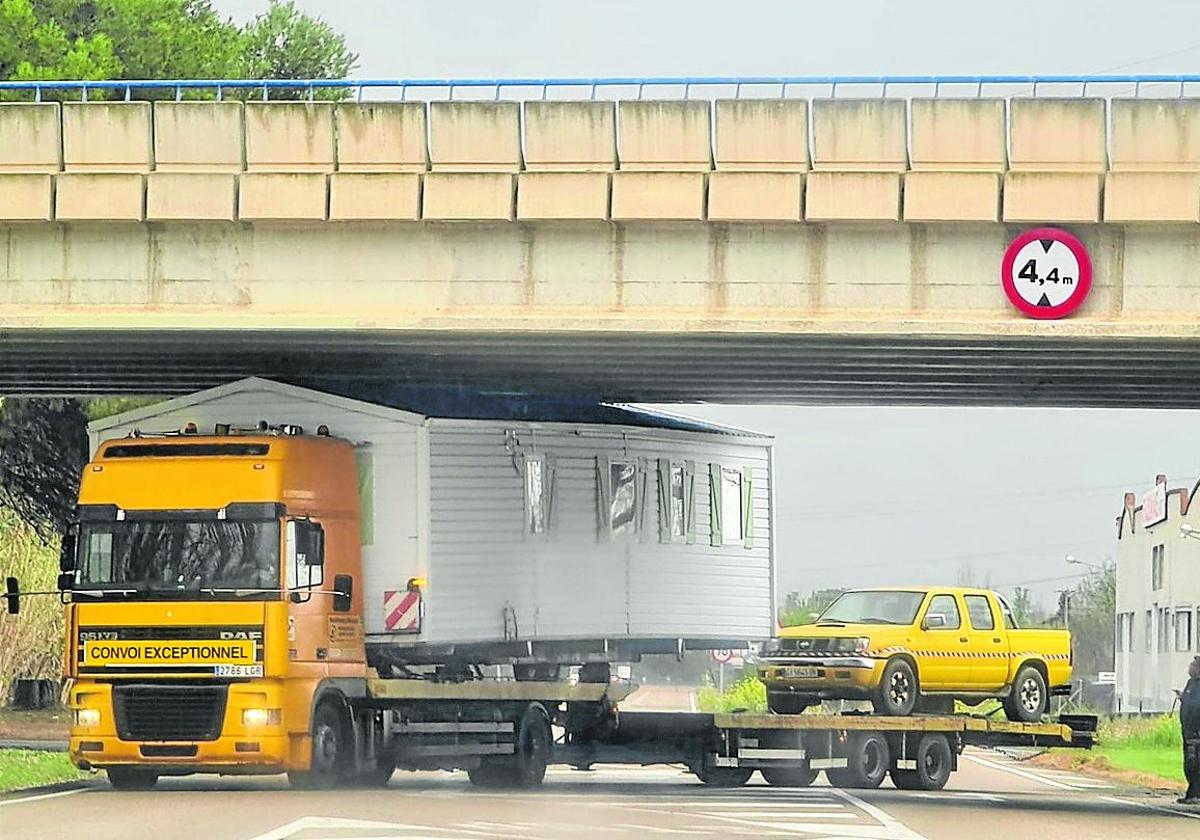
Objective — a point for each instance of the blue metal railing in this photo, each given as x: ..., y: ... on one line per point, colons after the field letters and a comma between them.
x: 358, y: 86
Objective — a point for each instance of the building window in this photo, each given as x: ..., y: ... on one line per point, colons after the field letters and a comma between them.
x: 1156, y: 566
x: 1119, y: 641
x: 1164, y: 630
x: 1183, y: 629
x: 1149, y: 631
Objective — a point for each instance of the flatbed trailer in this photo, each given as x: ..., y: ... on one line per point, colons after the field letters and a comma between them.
x: 505, y: 733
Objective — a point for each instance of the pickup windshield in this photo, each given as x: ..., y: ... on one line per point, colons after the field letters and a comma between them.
x: 178, y: 558
x: 890, y: 607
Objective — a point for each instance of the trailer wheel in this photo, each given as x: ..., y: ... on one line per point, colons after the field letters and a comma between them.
x: 1028, y: 700
x: 935, y: 761
x: 898, y: 689
x: 788, y: 776
x: 534, y: 742
x: 867, y: 761
x: 725, y: 777
x: 132, y: 778
x: 330, y: 751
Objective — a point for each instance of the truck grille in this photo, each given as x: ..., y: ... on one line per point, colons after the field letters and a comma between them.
x: 169, y: 712
x: 805, y: 646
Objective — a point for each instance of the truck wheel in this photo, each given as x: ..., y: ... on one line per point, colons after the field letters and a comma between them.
x: 330, y: 751
x: 789, y: 704
x: 788, y: 776
x: 379, y: 776
x: 132, y: 778
x: 935, y: 761
x: 1028, y: 700
x: 489, y: 776
x: 534, y: 742
x: 867, y: 761
x: 725, y: 777
x: 898, y: 689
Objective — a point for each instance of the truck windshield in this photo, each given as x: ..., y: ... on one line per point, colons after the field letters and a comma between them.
x: 177, y: 558
x: 886, y: 607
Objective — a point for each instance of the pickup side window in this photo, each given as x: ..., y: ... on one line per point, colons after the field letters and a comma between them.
x: 1010, y: 621
x: 947, y: 607
x: 980, y: 612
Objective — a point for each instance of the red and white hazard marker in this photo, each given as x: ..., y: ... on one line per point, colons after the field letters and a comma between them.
x: 1046, y: 273
x: 402, y: 611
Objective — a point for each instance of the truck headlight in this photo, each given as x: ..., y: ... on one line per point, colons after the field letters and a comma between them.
x: 261, y: 717
x: 87, y: 717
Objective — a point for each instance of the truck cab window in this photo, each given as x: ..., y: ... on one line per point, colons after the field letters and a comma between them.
x: 980, y: 612
x: 306, y: 554
x: 947, y: 607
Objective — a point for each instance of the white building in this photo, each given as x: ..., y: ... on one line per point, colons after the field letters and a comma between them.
x: 535, y: 521
x: 1158, y: 596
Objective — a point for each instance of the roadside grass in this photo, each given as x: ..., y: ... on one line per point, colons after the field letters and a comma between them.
x: 747, y: 694
x: 28, y: 768
x: 30, y: 643
x: 1153, y: 746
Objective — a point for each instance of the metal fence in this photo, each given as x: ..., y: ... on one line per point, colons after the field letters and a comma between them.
x: 620, y: 86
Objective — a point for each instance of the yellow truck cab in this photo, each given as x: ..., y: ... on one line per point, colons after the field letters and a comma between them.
x: 917, y: 649
x: 213, y: 602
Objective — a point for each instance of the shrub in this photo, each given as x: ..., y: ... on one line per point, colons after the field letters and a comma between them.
x: 31, y: 642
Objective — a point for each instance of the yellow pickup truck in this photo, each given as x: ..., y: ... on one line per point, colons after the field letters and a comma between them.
x: 917, y: 649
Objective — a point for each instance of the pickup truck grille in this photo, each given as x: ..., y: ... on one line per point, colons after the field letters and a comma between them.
x: 805, y: 646
x: 169, y: 712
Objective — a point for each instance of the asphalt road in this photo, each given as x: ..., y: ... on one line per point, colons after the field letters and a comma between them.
x: 990, y: 797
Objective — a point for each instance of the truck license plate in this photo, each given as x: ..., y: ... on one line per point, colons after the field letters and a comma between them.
x: 801, y: 673
x: 237, y: 670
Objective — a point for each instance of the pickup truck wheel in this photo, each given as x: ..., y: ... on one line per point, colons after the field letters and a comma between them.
x: 867, y: 761
x: 788, y: 776
x: 330, y: 751
x: 132, y: 778
x: 1028, y: 700
x: 898, y: 689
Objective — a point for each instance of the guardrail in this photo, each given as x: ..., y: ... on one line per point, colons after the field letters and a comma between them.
x: 595, y: 85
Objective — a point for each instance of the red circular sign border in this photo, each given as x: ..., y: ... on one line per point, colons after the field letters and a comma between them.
x: 1082, y: 288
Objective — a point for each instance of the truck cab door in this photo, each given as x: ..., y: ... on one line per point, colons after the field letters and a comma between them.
x: 988, y: 643
x: 943, y: 642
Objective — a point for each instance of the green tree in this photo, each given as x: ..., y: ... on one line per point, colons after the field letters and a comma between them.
x: 1091, y: 614
x: 284, y: 43
x: 43, y: 447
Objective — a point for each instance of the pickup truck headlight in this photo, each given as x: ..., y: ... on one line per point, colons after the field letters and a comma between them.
x: 87, y: 717
x: 858, y: 645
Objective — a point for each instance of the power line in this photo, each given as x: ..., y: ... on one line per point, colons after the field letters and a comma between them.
x: 847, y: 565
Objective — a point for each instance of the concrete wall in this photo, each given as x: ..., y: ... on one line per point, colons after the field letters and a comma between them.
x: 936, y: 161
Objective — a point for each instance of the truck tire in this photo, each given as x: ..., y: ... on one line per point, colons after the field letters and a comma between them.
x: 330, y: 751
x: 867, y: 761
x: 898, y: 689
x: 489, y: 776
x: 935, y: 762
x: 725, y: 777
x: 534, y: 743
x: 1028, y: 699
x: 782, y: 703
x: 132, y: 778
x: 788, y: 776
x: 379, y: 776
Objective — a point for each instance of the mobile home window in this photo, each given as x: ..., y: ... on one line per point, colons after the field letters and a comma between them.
x: 622, y: 511
x: 535, y: 496
x: 676, y: 500
x: 1183, y: 630
x: 678, y: 503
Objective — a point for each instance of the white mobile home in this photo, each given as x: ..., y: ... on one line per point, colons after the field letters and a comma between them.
x: 534, y: 521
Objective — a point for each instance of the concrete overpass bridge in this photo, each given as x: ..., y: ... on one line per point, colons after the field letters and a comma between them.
x: 760, y: 240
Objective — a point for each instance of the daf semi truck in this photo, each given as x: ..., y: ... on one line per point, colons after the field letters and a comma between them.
x: 215, y: 624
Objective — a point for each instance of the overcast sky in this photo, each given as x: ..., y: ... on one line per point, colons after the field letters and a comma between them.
x: 865, y: 495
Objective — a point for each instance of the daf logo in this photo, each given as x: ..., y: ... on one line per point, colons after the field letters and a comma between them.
x: 241, y: 634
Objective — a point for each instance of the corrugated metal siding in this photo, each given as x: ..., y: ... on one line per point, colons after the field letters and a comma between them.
x: 393, y: 556
x: 569, y: 583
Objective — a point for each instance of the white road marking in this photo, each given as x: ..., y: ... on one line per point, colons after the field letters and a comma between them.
x: 1148, y: 806
x: 961, y: 794
x: 899, y: 829
x: 41, y: 796
x: 1016, y: 771
x: 310, y: 824
x: 653, y: 829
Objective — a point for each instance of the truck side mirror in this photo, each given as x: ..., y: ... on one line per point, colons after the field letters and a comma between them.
x: 10, y: 595
x: 66, y: 581
x: 343, y: 586
x: 933, y: 621
x: 66, y: 554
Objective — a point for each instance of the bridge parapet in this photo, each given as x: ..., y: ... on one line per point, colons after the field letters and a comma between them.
x: 926, y: 159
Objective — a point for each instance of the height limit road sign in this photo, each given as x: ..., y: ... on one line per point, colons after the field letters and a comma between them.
x: 1046, y: 273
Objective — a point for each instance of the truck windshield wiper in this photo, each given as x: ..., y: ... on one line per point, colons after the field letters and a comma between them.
x: 249, y: 590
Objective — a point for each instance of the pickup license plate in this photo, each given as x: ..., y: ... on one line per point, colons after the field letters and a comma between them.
x: 801, y: 673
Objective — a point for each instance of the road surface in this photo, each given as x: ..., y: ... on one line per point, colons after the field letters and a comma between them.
x: 990, y: 797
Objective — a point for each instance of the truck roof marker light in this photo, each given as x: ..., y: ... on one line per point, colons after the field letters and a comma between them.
x: 222, y: 429
x: 97, y: 468
x: 263, y: 425
x: 416, y: 584
x: 190, y: 429
x: 260, y: 466
x: 322, y: 430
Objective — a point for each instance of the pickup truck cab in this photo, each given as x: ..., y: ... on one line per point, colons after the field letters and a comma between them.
x: 917, y: 649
